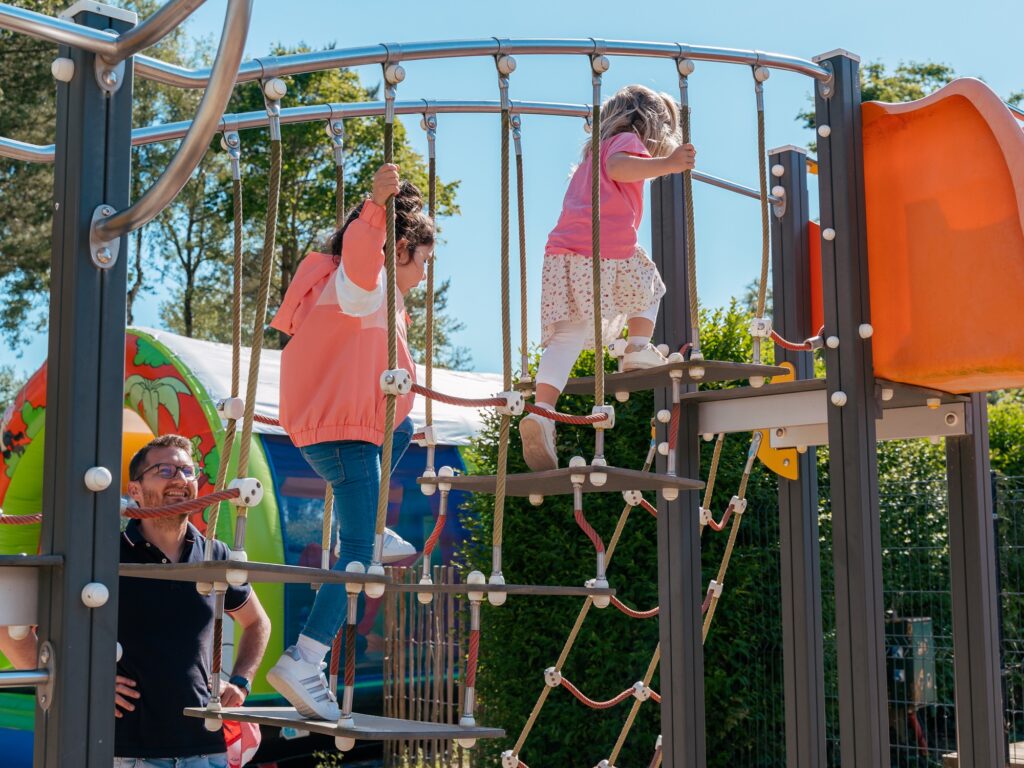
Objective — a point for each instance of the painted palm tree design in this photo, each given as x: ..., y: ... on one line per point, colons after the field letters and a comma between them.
x: 147, y: 395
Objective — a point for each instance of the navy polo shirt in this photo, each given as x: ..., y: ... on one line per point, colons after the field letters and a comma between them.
x: 165, y: 629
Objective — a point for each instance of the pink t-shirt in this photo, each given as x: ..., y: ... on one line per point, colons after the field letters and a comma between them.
x: 622, y: 207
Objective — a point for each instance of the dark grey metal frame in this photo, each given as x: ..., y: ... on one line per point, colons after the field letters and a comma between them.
x: 85, y: 400
x: 799, y: 551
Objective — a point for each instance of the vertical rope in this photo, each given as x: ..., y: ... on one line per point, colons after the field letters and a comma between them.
x: 595, y: 239
x: 339, y: 196
x: 713, y: 471
x: 506, y: 346
x: 762, y: 162
x: 236, y: 354
x: 524, y: 344
x: 432, y: 211
x: 389, y: 417
x: 335, y: 659
x: 259, y: 324
x: 691, y: 230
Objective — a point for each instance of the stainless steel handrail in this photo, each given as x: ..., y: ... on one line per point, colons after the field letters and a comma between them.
x: 299, y: 63
x: 110, y: 49
x: 23, y: 678
x: 349, y: 110
x: 197, y: 140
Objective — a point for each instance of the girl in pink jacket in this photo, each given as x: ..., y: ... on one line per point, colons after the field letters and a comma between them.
x: 332, y: 406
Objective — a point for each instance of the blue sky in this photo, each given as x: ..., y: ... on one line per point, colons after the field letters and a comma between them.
x: 978, y: 39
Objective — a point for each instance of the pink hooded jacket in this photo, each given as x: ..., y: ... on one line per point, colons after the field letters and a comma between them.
x: 337, y: 318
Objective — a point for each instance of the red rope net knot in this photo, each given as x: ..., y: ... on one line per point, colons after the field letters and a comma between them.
x: 20, y: 519
x: 182, y: 507
x: 566, y: 418
x: 266, y: 420
x: 632, y: 612
x: 593, y: 703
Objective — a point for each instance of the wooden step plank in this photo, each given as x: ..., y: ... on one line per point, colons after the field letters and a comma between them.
x: 31, y: 561
x: 903, y: 395
x: 656, y: 378
x: 557, y: 482
x: 216, y: 570
x: 512, y: 589
x: 366, y: 727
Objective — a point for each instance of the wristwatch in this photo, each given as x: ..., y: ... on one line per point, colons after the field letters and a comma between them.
x: 242, y: 683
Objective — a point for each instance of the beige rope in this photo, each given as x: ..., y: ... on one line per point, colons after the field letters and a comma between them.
x: 595, y: 239
x: 633, y: 710
x: 236, y: 354
x: 524, y: 345
x: 762, y: 161
x: 389, y: 415
x: 432, y: 210
x: 691, y: 230
x: 584, y: 610
x: 712, y: 474
x: 267, y: 268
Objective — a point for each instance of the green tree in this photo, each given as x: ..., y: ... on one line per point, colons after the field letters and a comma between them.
x: 10, y: 383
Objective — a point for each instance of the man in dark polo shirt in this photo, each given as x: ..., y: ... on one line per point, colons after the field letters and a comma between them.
x: 165, y: 628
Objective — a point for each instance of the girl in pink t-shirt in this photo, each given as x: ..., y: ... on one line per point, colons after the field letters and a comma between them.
x: 639, y: 141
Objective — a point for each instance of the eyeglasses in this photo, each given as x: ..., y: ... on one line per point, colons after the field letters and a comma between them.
x: 166, y: 471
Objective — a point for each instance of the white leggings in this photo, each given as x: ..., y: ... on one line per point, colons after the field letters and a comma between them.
x: 565, y: 345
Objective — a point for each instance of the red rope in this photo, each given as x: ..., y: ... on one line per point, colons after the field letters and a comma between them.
x: 655, y: 760
x: 418, y: 436
x: 632, y: 612
x: 673, y: 428
x: 565, y: 418
x: 656, y: 697
x: 649, y: 507
x: 21, y: 519
x: 428, y: 547
x: 266, y: 420
x: 350, y: 655
x: 725, y: 520
x: 804, y: 346
x: 182, y: 507
x: 474, y: 655
x: 707, y: 601
x: 419, y: 389
x: 218, y: 645
x: 581, y: 521
x: 596, y: 704
x: 336, y: 653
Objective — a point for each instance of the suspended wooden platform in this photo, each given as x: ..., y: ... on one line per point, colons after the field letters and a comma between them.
x: 367, y: 727
x: 556, y: 482
x: 216, y: 570
x: 656, y: 378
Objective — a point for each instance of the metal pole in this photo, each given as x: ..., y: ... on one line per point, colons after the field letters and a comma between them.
x: 85, y: 400
x: 679, y: 574
x: 799, y: 554
x: 23, y: 678
x: 981, y: 739
x: 852, y: 411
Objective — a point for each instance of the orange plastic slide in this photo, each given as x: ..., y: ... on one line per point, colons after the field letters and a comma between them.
x: 944, y: 187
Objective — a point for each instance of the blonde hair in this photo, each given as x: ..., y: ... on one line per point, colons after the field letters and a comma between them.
x: 652, y: 116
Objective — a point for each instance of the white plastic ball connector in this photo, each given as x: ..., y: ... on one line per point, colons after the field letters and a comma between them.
x: 598, y: 479
x: 761, y: 74
x: 394, y: 73
x: 664, y: 349
x: 663, y: 448
x: 497, y: 598
x: 552, y: 677
x: 354, y: 587
x: 63, y: 69
x: 865, y: 330
x: 756, y: 381
x: 933, y: 402
x: 778, y: 171
x: 509, y: 759
x: 670, y: 494
x: 98, y: 479
x: 442, y: 473
x: 374, y: 590
x: 428, y: 489
x: 604, y: 764
x: 708, y: 437
x: 600, y: 601
x: 344, y: 743
x: 676, y: 357
x: 506, y: 64
x: 18, y: 631
x: 118, y: 652
x: 838, y: 398
x: 824, y: 131
x: 250, y: 491
x: 204, y: 588
x: 779, y: 191
x: 231, y: 408
x: 476, y: 577
x: 887, y: 393
x: 685, y: 67
x: 832, y: 342
x: 828, y: 234
x: 622, y: 396
x: 425, y: 598
x: 633, y: 498
x: 536, y: 499
x: 466, y: 743
x: 275, y: 88
x: 95, y: 594
x: 664, y: 416
x: 600, y: 64
x: 236, y: 577
x: 212, y: 724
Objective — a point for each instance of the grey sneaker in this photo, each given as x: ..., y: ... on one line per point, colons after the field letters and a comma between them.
x: 538, y: 436
x: 304, y: 685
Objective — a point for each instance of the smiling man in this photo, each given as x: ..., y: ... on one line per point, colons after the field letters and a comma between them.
x: 165, y: 627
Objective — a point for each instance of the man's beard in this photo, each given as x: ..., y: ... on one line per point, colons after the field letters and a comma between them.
x: 152, y: 499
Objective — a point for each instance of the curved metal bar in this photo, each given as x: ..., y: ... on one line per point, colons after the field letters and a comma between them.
x: 43, y: 27
x: 197, y: 140
x: 294, y: 64
x: 21, y: 150
x: 153, y: 29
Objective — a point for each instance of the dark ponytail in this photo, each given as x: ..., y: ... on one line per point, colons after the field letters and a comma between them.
x: 411, y: 224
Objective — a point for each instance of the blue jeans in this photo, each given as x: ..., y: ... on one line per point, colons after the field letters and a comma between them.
x: 196, y: 761
x: 352, y: 467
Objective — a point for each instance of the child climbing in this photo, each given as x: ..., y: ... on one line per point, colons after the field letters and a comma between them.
x: 331, y: 403
x: 640, y: 137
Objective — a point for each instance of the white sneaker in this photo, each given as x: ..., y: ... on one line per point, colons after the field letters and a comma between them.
x: 304, y: 685
x: 538, y: 436
x: 645, y: 357
x: 396, y: 548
